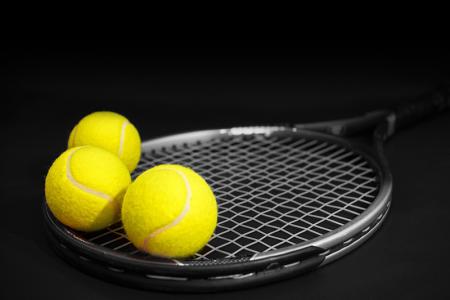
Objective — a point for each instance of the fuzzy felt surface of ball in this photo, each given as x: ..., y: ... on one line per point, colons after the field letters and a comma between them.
x: 110, y: 131
x: 169, y: 211
x: 84, y: 188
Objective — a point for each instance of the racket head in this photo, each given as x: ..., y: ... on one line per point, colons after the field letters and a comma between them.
x: 290, y: 200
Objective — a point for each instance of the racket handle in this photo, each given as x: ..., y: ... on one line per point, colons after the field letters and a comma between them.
x: 425, y: 106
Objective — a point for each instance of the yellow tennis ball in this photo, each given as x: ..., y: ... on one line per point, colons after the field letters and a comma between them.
x: 110, y: 131
x: 169, y: 211
x: 84, y: 188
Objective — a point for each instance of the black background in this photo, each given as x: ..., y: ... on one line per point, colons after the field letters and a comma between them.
x: 166, y: 87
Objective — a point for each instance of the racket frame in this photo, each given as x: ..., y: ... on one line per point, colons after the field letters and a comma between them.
x: 253, y: 270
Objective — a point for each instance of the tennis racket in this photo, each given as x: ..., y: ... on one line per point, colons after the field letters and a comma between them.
x: 291, y: 199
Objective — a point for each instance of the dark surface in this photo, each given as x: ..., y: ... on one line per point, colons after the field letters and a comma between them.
x: 168, y: 87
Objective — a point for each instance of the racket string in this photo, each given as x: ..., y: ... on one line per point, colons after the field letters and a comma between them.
x: 273, y: 192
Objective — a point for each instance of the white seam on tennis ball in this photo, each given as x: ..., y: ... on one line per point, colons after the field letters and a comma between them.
x: 81, y: 186
x: 122, y: 138
x: 180, y: 217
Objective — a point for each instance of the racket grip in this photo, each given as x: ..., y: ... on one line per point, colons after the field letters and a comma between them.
x: 427, y: 105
